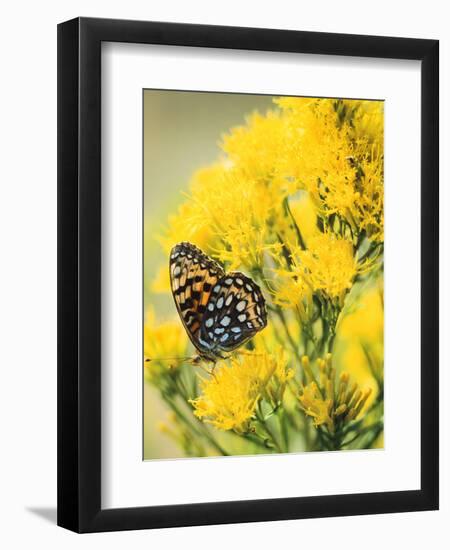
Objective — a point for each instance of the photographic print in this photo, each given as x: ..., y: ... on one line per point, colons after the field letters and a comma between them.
x: 263, y: 236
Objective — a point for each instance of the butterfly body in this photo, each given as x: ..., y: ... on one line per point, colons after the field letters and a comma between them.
x: 220, y: 311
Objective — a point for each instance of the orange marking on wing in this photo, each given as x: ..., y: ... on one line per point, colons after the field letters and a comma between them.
x: 205, y: 298
x: 198, y: 287
x: 195, y: 326
x: 182, y: 280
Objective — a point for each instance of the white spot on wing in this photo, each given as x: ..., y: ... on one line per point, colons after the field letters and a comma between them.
x: 241, y: 305
x: 211, y: 307
x: 209, y: 322
x: 229, y: 300
x: 224, y: 337
x: 219, y: 303
x: 242, y: 317
x: 203, y: 343
x: 225, y: 321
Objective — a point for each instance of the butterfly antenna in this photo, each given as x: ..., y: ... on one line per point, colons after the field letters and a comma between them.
x: 188, y: 359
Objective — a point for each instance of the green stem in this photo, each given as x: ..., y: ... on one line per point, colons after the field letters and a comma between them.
x: 283, y: 426
x: 377, y: 426
x: 374, y: 436
x: 276, y: 309
x: 373, y: 247
x: 264, y: 425
x: 203, y: 429
x: 257, y: 440
x: 324, y: 445
x: 291, y: 341
x: 296, y: 227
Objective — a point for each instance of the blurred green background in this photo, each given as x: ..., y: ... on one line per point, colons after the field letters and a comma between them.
x: 182, y: 132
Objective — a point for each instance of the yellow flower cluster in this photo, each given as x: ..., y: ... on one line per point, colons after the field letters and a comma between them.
x: 327, y: 267
x: 225, y: 215
x: 328, y: 264
x: 292, y: 291
x: 188, y: 224
x: 236, y: 209
x: 164, y: 345
x: 330, y: 401
x: 229, y: 397
x: 256, y: 148
x: 242, y: 206
x: 336, y: 154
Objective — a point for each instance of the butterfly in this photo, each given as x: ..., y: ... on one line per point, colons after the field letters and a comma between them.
x: 220, y: 311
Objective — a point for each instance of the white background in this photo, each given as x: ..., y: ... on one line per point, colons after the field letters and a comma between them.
x: 126, y: 479
x: 28, y: 289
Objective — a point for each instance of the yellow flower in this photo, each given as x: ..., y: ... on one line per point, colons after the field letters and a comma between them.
x: 315, y: 406
x: 361, y: 334
x: 293, y: 221
x: 329, y: 400
x: 161, y: 282
x: 164, y: 346
x: 369, y: 203
x: 186, y: 225
x: 229, y: 397
x: 335, y: 152
x: 167, y: 426
x: 317, y: 156
x: 305, y: 216
x: 368, y: 122
x: 254, y: 149
x: 278, y: 363
x: 327, y: 265
x: 235, y: 209
x: 292, y: 292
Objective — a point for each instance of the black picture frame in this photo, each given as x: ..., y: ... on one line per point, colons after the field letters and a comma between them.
x: 79, y: 274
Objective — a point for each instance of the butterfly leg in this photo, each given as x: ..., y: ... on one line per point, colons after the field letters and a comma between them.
x: 203, y: 362
x: 204, y: 368
x: 212, y: 371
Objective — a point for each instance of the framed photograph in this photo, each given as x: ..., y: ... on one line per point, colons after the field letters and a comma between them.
x: 248, y: 275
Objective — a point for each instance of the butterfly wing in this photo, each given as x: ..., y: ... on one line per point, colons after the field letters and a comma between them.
x: 236, y: 311
x: 193, y: 275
